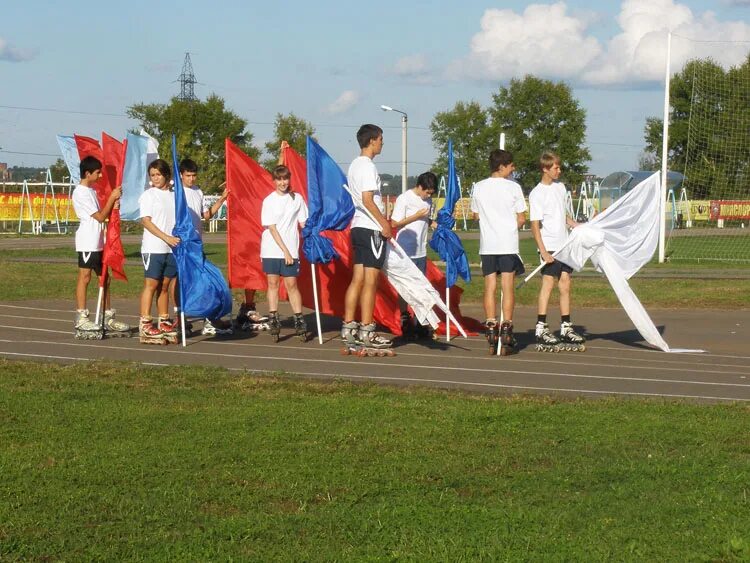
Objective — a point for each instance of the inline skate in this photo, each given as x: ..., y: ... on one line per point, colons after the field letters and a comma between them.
x: 85, y: 328
x: 491, y: 333
x: 570, y: 340
x: 300, y: 327
x: 113, y: 327
x: 508, y: 342
x: 545, y: 340
x: 150, y: 333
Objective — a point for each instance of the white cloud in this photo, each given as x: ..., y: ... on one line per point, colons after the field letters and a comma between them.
x: 346, y: 101
x: 546, y: 40
x: 413, y: 67
x: 13, y: 54
x: 638, y: 53
x: 543, y: 40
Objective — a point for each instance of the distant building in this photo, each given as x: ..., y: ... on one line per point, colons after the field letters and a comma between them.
x: 4, y: 172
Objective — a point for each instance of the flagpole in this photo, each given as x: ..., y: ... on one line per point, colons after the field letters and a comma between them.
x: 317, y: 306
x: 182, y: 321
x: 447, y: 317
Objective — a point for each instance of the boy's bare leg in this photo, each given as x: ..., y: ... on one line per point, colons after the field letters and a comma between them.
x: 564, y: 287
x: 351, y: 299
x: 84, y: 277
x: 548, y: 283
x: 367, y: 297
x: 150, y: 287
x: 507, y: 280
x: 490, y: 287
x: 272, y: 295
x: 295, y: 297
x: 162, y: 299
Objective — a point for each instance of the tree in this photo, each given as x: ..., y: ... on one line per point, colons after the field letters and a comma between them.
x: 648, y: 160
x: 200, y: 128
x: 717, y: 101
x: 467, y: 125
x: 288, y: 128
x: 538, y: 115
x: 59, y: 171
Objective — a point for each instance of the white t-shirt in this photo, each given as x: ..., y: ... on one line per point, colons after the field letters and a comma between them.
x: 90, y: 233
x: 498, y: 202
x: 286, y: 213
x: 159, y: 205
x: 196, y: 206
x: 547, y: 204
x: 412, y: 237
x: 364, y: 177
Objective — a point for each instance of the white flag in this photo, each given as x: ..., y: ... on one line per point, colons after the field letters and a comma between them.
x: 619, y: 242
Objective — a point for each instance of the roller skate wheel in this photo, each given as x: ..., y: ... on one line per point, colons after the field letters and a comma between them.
x: 582, y: 348
x: 390, y: 353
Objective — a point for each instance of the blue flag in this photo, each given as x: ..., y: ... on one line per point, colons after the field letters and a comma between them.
x: 69, y: 150
x: 329, y: 206
x: 134, y: 176
x: 203, y: 290
x: 444, y: 241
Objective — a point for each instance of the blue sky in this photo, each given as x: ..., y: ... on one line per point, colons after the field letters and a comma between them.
x: 334, y: 63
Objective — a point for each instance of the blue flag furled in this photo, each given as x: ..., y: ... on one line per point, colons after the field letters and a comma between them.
x: 203, y: 290
x: 329, y: 206
x: 444, y: 241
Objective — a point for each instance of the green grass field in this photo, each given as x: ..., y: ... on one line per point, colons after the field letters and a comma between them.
x: 115, y: 461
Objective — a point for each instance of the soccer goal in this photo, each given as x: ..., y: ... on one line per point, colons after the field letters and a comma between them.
x: 707, y: 217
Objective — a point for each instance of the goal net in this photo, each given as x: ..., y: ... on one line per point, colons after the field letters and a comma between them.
x: 708, y: 214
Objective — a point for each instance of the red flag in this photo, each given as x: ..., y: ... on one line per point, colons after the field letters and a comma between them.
x: 90, y: 147
x: 114, y: 161
x: 248, y: 185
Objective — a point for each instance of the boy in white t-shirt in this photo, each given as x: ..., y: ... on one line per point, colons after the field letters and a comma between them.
x: 499, y: 205
x: 90, y: 244
x: 199, y: 212
x: 411, y: 216
x: 282, y: 215
x: 157, y: 211
x: 549, y: 225
x: 368, y: 243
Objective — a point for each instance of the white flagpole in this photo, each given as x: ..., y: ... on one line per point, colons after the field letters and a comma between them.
x: 99, y: 304
x: 182, y: 321
x: 447, y: 317
x: 317, y: 306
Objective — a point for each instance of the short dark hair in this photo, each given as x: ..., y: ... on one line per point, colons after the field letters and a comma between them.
x: 368, y: 132
x: 163, y: 167
x: 89, y: 165
x: 188, y: 165
x: 499, y: 158
x: 428, y: 181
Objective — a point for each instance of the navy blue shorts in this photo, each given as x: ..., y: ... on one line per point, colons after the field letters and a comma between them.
x: 556, y: 268
x: 501, y: 263
x: 277, y: 267
x: 369, y: 247
x: 159, y: 266
x: 91, y: 260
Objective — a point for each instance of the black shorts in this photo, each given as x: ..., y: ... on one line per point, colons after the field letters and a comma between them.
x: 556, y: 268
x: 501, y: 263
x: 91, y: 261
x: 369, y: 247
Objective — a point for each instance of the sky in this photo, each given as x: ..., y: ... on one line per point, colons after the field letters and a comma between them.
x: 334, y: 63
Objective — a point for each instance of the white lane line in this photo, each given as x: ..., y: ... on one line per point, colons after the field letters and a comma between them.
x: 416, y: 367
x: 45, y: 356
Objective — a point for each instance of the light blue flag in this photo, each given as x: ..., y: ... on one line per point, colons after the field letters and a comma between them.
x: 203, y: 290
x: 134, y: 176
x: 69, y: 151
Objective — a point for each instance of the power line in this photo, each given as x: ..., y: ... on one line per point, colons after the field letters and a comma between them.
x: 51, y: 110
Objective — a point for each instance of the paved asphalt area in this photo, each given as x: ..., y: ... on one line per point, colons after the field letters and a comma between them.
x: 617, y: 362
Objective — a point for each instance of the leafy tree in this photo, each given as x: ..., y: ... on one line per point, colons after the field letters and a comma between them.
x: 200, y: 128
x: 720, y: 104
x: 59, y: 171
x: 538, y: 115
x: 648, y: 160
x: 467, y: 125
x: 288, y: 128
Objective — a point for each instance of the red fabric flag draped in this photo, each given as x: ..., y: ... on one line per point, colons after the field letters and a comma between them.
x: 334, y: 278
x: 90, y: 147
x: 248, y: 185
x: 114, y: 160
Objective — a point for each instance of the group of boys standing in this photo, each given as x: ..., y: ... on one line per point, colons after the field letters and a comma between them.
x: 497, y: 202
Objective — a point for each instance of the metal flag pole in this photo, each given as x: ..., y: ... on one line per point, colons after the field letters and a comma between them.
x: 317, y: 306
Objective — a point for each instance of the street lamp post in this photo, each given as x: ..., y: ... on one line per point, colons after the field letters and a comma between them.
x: 404, y: 120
